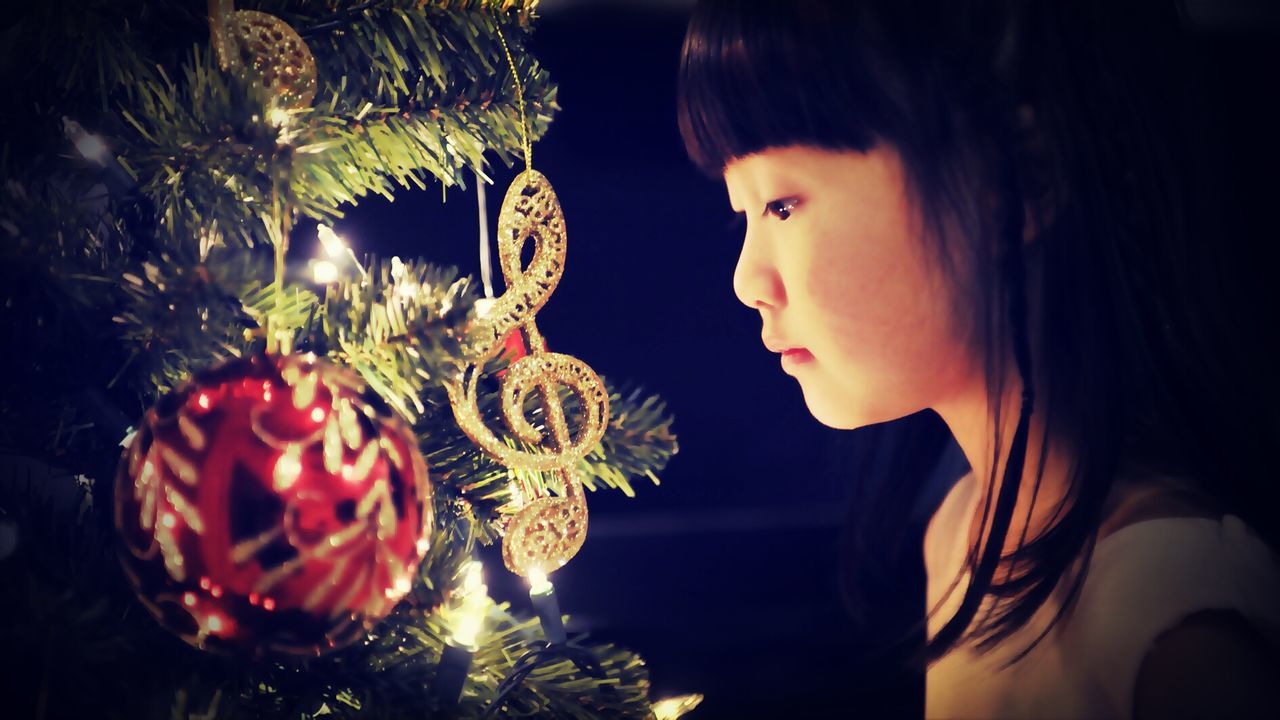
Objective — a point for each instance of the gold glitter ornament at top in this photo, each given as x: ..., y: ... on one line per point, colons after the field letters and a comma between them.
x: 263, y: 50
x: 545, y: 531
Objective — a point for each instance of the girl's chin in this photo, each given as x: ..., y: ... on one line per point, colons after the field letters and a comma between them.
x: 843, y: 413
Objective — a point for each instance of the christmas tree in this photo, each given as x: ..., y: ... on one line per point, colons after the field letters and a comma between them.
x: 157, y: 157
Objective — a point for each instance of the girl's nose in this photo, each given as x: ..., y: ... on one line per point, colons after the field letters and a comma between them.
x: 755, y: 279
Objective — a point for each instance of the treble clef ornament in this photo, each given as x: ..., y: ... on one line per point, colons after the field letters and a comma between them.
x: 545, y: 531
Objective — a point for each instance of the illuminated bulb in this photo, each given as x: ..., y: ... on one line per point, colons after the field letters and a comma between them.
x: 473, y: 577
x: 672, y: 708
x: 214, y: 623
x: 468, y: 619
x: 333, y: 244
x: 287, y: 471
x: 93, y: 148
x: 169, y: 521
x: 484, y: 306
x: 189, y: 599
x: 278, y: 116
x: 538, y: 582
x: 324, y: 272
x: 317, y: 415
x: 203, y: 401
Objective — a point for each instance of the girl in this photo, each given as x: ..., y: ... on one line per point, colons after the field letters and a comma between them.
x: 970, y: 207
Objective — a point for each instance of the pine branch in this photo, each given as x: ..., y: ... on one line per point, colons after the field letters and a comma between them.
x: 77, y: 607
x: 399, y: 325
x: 637, y: 444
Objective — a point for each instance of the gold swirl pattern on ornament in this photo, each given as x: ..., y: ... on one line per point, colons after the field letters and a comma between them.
x: 546, y: 531
x: 263, y: 50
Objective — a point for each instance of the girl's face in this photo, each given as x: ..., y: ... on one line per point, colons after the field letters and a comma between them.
x: 835, y: 262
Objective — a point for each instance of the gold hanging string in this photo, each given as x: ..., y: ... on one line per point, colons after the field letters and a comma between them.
x: 515, y: 75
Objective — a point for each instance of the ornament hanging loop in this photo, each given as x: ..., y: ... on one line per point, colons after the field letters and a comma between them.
x: 515, y: 76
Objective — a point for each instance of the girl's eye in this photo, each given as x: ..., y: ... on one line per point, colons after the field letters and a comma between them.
x: 781, y: 209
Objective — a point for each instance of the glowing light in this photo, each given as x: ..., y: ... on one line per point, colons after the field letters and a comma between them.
x: 215, y: 591
x: 334, y: 246
x: 268, y: 604
x: 254, y: 599
x: 288, y: 469
x: 467, y: 617
x: 467, y: 625
x: 205, y: 584
x: 317, y: 415
x: 93, y: 148
x: 278, y: 116
x: 473, y: 577
x: 203, y: 401
x: 538, y: 582
x: 169, y: 521
x: 398, y: 589
x: 672, y: 708
x: 484, y: 306
x: 407, y: 289
x: 324, y: 272
x: 189, y: 599
x: 214, y: 623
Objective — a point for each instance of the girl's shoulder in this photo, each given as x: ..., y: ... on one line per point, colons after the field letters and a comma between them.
x: 1159, y: 561
x: 1161, y: 558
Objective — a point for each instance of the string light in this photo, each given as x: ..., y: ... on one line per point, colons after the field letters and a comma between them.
x: 674, y: 707
x: 543, y: 596
x: 539, y: 583
x: 324, y: 272
x: 465, y: 620
x: 334, y: 246
x: 278, y: 116
x: 91, y: 147
x: 337, y: 249
x: 468, y: 618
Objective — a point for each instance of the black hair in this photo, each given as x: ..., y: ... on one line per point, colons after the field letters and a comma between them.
x: 1071, y: 109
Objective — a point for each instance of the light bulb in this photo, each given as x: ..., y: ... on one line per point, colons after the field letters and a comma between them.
x: 333, y: 244
x: 324, y: 272
x: 538, y: 582
x: 672, y: 708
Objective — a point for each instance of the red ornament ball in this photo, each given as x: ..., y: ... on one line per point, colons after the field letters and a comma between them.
x: 272, y: 504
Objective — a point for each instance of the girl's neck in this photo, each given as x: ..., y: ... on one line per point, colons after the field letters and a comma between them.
x: 970, y: 416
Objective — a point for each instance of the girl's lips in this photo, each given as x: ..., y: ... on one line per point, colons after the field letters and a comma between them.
x: 796, y: 356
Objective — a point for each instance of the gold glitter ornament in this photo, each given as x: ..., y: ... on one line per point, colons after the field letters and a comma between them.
x: 545, y: 531
x: 264, y: 51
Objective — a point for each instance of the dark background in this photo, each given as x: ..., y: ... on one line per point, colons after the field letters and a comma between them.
x: 725, y: 577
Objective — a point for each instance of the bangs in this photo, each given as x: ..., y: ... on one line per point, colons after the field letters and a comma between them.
x: 746, y: 84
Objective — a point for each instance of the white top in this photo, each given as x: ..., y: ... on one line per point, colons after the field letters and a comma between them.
x: 1144, y: 579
